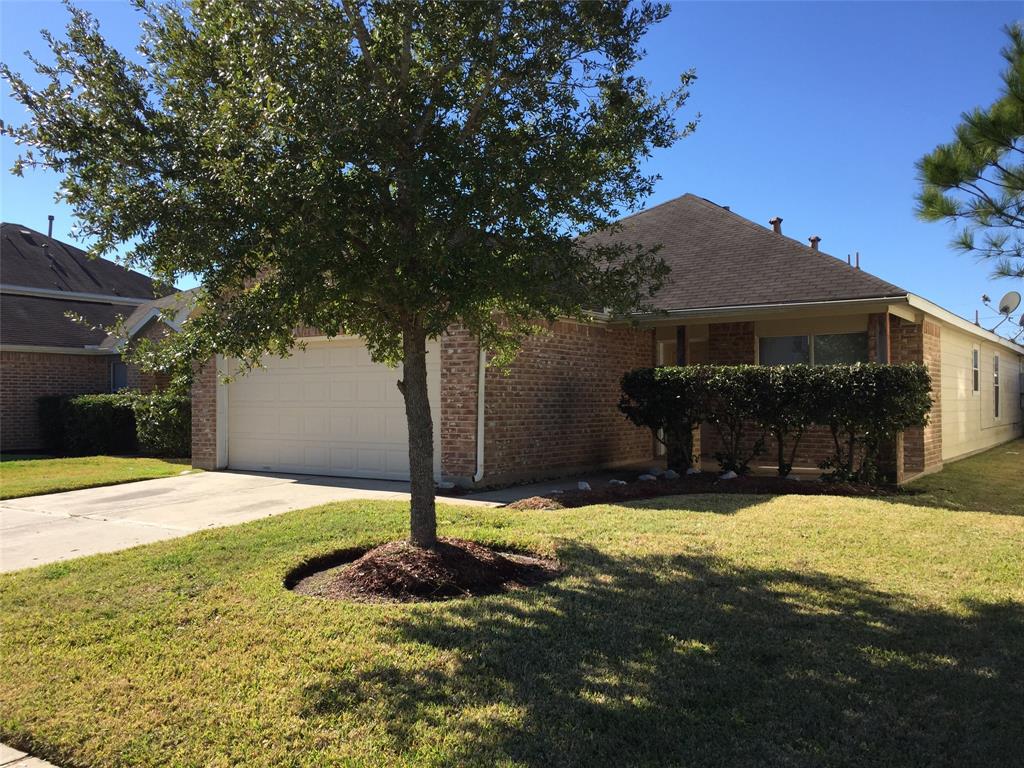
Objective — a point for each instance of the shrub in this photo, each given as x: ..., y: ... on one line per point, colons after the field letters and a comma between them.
x: 865, y: 406
x: 733, y: 391
x: 671, y: 402
x: 159, y: 423
x: 782, y: 398
x: 163, y: 423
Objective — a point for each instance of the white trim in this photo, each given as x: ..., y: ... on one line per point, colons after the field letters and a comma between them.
x: 958, y: 322
x: 480, y: 422
x: 52, y: 293
x: 221, y: 408
x: 744, y: 310
x: 55, y: 350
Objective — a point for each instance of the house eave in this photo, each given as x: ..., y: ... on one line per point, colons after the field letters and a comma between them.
x: 949, y: 318
x: 48, y: 293
x: 42, y: 349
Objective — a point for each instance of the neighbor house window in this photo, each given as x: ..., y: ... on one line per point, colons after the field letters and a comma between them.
x: 995, y: 382
x: 976, y: 369
x: 118, y: 376
x: 824, y: 349
x: 784, y: 350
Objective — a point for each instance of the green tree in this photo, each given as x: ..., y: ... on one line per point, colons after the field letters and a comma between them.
x: 372, y: 168
x: 977, y: 180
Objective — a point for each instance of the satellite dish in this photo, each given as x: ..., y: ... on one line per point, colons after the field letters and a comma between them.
x: 1009, y: 302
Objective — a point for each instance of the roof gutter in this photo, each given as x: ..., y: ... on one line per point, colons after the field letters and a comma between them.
x: 963, y: 324
x: 50, y: 293
x: 39, y: 349
x: 742, y: 309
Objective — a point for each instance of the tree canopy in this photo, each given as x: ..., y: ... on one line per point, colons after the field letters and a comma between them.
x: 977, y: 180
x: 372, y: 168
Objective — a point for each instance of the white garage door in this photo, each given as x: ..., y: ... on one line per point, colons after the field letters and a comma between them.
x: 326, y: 410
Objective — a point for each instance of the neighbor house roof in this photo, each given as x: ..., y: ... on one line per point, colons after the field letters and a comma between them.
x: 720, y: 259
x: 30, y: 259
x: 44, y: 321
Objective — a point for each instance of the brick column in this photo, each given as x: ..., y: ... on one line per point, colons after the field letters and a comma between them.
x: 204, y: 416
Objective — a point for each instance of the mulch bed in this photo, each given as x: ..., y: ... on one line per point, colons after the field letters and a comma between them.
x: 400, y: 572
x: 705, y: 482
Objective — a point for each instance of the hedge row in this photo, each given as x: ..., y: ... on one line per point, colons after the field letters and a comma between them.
x: 157, y: 423
x: 864, y: 406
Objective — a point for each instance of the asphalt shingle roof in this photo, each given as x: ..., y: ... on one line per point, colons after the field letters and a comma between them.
x: 41, y: 321
x: 720, y: 259
x: 61, y: 267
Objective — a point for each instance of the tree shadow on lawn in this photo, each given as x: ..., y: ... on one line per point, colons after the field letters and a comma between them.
x: 672, y: 660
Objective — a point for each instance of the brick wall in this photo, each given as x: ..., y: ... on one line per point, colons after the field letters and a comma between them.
x: 26, y: 376
x: 553, y: 413
x: 204, y: 416
x: 913, y: 343
x: 731, y: 344
x: 147, y: 381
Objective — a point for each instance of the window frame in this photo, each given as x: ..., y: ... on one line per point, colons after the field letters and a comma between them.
x: 976, y: 369
x: 995, y: 383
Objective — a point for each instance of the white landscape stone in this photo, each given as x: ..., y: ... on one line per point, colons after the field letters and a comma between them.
x: 616, y: 482
x: 730, y: 475
x: 671, y: 475
x: 446, y: 485
x: 647, y: 478
x: 583, y: 485
x: 692, y: 471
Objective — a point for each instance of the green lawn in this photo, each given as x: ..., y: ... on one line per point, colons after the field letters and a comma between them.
x: 698, y: 631
x: 992, y: 481
x: 33, y: 476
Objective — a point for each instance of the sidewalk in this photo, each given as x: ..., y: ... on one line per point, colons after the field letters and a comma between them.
x: 15, y: 758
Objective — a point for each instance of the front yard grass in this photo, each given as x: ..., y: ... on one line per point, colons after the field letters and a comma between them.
x: 992, y: 481
x: 33, y: 476
x: 697, y: 630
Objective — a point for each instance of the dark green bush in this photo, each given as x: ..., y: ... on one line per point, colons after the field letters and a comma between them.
x: 732, y: 408
x: 782, y: 406
x: 158, y: 423
x: 163, y: 423
x: 865, y: 406
x: 671, y: 402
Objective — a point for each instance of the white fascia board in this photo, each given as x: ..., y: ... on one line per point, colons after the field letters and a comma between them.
x: 56, y: 350
x: 930, y: 308
x: 21, y: 290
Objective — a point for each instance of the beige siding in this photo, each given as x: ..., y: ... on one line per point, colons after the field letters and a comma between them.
x: 969, y: 423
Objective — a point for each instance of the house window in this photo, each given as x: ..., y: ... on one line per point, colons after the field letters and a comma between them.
x: 840, y: 349
x: 995, y: 382
x: 118, y: 376
x: 784, y: 350
x: 976, y: 369
x: 825, y: 349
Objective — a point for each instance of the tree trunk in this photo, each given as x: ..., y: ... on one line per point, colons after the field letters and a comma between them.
x: 422, y: 516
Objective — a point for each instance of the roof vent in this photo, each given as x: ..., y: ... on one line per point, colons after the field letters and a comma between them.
x: 776, y: 223
x: 814, y: 240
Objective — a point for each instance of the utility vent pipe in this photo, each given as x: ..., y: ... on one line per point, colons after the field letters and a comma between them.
x: 776, y: 222
x: 814, y: 240
x: 49, y: 228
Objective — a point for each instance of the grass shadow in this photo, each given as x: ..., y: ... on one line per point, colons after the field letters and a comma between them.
x: 693, y: 660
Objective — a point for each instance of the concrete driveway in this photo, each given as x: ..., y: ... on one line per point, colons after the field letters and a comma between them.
x: 60, y: 526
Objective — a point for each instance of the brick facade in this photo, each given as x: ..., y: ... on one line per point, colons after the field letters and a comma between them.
x: 204, y: 416
x: 554, y: 411
x: 27, y: 376
x: 921, y: 343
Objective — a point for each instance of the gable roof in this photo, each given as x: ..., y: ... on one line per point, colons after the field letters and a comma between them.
x: 30, y: 259
x: 720, y: 259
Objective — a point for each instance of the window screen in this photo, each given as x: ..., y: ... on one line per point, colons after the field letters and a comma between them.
x: 995, y: 382
x: 784, y: 350
x: 840, y: 348
x: 976, y: 369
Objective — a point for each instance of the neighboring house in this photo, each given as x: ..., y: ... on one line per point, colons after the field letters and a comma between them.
x: 737, y: 293
x: 43, y: 351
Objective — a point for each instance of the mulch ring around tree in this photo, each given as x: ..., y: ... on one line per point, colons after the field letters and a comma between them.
x: 398, y: 572
x: 705, y: 482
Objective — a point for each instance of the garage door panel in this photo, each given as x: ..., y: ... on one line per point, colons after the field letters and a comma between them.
x: 328, y: 409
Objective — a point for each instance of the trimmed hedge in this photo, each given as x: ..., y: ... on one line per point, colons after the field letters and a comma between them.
x: 158, y: 423
x: 865, y: 406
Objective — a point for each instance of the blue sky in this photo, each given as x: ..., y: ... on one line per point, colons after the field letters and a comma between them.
x: 814, y: 112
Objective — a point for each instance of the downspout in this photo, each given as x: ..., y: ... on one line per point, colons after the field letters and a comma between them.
x: 481, y: 380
